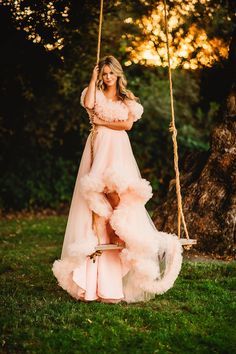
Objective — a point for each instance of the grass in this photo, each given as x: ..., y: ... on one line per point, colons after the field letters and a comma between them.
x: 197, y: 315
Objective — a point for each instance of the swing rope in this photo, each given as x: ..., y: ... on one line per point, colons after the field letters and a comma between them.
x: 173, y: 130
x: 93, y: 128
x: 100, y: 31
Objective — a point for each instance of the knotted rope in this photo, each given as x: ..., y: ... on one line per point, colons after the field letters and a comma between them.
x: 173, y: 130
x: 93, y: 126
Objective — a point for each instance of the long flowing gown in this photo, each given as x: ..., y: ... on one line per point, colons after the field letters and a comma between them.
x: 151, y: 260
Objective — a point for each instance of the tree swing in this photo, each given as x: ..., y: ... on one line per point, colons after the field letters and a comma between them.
x: 187, y: 243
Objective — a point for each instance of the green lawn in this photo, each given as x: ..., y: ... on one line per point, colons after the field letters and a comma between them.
x: 37, y: 316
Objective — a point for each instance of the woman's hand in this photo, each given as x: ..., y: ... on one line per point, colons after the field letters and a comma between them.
x: 95, y: 73
x: 96, y: 120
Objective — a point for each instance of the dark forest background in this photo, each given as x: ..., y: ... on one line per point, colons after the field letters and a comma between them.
x: 47, y: 56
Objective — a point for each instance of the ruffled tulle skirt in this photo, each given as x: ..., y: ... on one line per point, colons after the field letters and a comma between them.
x: 151, y: 260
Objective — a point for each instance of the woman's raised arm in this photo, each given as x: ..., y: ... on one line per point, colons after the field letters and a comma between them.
x: 89, y: 96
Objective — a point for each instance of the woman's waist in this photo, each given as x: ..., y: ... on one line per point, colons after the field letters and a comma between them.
x: 101, y: 128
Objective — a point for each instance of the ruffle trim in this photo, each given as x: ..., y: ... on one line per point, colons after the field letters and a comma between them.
x: 114, y: 110
x: 111, y: 111
x: 154, y: 258
x: 63, y: 271
x: 135, y: 108
x: 145, y: 251
x: 131, y: 191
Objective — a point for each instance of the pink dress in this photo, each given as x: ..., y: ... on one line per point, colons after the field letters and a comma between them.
x: 151, y: 260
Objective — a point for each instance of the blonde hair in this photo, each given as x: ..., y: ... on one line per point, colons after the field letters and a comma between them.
x: 121, y: 83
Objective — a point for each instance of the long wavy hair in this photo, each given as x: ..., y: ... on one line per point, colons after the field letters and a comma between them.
x: 121, y: 83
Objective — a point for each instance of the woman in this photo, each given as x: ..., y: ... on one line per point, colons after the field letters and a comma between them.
x: 108, y: 206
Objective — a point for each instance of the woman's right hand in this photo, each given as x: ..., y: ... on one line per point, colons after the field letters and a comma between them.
x: 95, y: 73
x: 96, y: 120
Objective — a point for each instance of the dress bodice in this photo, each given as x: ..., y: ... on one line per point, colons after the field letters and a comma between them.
x: 110, y: 110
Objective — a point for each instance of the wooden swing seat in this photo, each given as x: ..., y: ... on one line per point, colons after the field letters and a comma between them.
x: 187, y: 241
x: 108, y: 246
x: 112, y: 246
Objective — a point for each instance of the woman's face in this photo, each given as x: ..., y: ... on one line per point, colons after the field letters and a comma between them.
x: 108, y: 76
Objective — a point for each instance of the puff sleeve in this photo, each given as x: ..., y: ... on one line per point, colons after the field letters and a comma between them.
x: 83, y: 93
x: 135, y: 108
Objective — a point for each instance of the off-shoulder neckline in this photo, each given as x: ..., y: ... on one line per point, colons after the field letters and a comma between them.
x: 109, y: 99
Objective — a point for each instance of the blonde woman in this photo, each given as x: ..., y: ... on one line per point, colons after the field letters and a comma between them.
x: 108, y: 206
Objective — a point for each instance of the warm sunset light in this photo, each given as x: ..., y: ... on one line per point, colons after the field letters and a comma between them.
x: 189, y: 50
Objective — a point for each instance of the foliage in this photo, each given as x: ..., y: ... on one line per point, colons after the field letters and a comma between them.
x: 208, y: 25
x: 151, y: 138
x: 199, y: 33
x: 42, y: 125
x: 196, y: 315
x: 46, y: 182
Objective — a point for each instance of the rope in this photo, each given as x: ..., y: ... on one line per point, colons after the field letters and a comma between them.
x: 93, y: 127
x: 173, y: 130
x: 100, y: 31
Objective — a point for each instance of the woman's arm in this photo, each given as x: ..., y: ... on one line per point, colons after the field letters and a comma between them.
x: 89, y: 96
x: 116, y: 125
